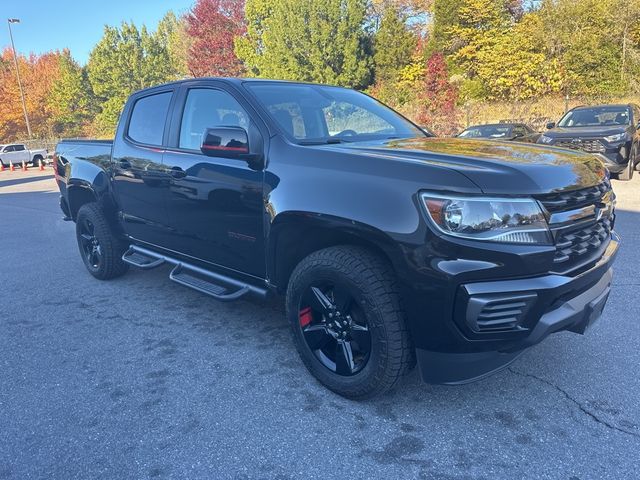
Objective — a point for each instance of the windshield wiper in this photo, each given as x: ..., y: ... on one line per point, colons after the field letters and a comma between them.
x: 328, y: 141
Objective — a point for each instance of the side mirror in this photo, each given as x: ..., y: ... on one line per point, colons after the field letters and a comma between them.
x: 228, y: 142
x: 551, y: 125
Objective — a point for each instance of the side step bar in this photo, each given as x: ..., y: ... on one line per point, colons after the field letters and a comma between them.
x: 216, y: 285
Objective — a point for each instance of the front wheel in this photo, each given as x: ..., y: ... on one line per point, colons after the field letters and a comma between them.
x: 101, y: 250
x: 347, y: 322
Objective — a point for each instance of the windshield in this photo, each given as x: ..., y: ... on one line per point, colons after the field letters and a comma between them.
x: 596, y: 117
x: 487, y: 131
x: 323, y: 114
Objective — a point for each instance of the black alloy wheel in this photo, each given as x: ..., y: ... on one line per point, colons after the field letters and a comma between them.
x: 90, y: 243
x: 335, y: 328
x: 347, y: 321
x: 100, y: 248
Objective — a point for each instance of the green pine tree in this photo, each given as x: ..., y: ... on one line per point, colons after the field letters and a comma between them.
x: 394, y: 44
x: 321, y: 41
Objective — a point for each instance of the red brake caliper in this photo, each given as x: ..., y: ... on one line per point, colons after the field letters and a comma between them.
x: 305, y: 317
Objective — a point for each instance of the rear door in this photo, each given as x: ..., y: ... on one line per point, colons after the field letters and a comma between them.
x: 137, y: 165
x: 215, y: 204
x: 22, y: 154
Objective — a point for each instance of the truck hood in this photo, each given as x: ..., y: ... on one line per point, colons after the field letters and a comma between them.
x: 495, y: 167
x: 585, y: 132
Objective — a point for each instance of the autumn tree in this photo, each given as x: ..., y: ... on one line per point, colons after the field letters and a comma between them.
x: 438, y: 98
x: 12, y: 124
x: 38, y: 73
x: 213, y: 26
x: 320, y: 41
x: 480, y: 23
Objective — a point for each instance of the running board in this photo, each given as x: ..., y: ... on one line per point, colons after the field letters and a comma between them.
x: 138, y: 259
x: 216, y: 285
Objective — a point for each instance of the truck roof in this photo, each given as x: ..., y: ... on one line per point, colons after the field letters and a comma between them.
x: 234, y: 81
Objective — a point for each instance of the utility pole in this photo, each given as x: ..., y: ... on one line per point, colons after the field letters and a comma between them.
x: 15, y: 59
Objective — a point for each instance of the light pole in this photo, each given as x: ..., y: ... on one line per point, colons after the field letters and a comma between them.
x: 15, y: 59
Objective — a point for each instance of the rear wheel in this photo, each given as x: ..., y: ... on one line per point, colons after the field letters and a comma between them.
x: 347, y: 323
x: 101, y: 250
x: 36, y: 161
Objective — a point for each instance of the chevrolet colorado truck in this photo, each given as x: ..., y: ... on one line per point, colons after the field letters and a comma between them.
x: 612, y: 132
x: 390, y: 247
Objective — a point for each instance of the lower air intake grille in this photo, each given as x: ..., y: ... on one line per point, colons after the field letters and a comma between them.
x: 491, y: 313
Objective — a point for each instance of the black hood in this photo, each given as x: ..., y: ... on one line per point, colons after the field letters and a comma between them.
x: 495, y: 167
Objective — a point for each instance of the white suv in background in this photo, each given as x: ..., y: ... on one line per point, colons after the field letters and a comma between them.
x: 16, y: 153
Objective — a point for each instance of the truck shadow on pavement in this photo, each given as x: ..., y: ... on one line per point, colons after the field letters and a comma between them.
x: 24, y: 180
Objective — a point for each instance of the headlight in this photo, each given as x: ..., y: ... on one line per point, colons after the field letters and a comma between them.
x: 504, y: 220
x: 616, y: 138
x: 546, y: 140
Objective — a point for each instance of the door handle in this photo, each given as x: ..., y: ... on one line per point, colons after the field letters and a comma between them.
x: 177, y: 172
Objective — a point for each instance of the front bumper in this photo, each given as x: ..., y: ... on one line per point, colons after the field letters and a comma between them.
x: 537, y: 307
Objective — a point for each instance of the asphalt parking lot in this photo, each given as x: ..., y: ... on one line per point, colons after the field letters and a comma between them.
x: 141, y: 378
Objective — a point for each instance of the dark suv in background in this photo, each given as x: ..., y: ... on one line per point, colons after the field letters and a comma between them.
x: 612, y: 132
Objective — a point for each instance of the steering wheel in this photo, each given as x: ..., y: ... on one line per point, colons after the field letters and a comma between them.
x: 347, y: 133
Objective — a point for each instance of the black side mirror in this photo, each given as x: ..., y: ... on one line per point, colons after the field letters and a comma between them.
x: 551, y: 125
x: 228, y: 142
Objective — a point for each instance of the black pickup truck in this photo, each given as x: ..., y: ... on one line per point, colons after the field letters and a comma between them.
x: 391, y: 247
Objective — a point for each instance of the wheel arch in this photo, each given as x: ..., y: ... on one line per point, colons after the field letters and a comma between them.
x: 295, y: 235
x: 77, y: 196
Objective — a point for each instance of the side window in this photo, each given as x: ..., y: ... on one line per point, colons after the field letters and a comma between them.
x: 9, y: 148
x: 148, y: 118
x: 208, y: 108
x: 18, y: 148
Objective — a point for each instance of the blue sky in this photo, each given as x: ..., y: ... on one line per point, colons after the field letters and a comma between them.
x: 76, y: 25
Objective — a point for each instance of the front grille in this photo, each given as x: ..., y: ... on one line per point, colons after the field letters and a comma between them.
x: 580, y: 243
x: 576, y: 244
x: 559, y: 202
x: 589, y: 146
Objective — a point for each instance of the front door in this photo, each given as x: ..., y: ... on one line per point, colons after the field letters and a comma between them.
x: 215, y: 204
x: 9, y: 155
x: 137, y: 168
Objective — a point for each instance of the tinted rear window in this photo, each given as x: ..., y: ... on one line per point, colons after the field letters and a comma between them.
x: 148, y: 118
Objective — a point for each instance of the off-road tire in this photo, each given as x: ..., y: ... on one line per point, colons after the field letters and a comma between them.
x: 112, y: 248
x: 392, y: 353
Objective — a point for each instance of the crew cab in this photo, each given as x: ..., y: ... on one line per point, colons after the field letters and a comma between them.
x: 18, y: 154
x: 390, y: 247
x: 612, y: 132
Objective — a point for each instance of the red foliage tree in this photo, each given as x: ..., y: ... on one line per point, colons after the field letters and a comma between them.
x: 213, y: 25
x: 438, y: 98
